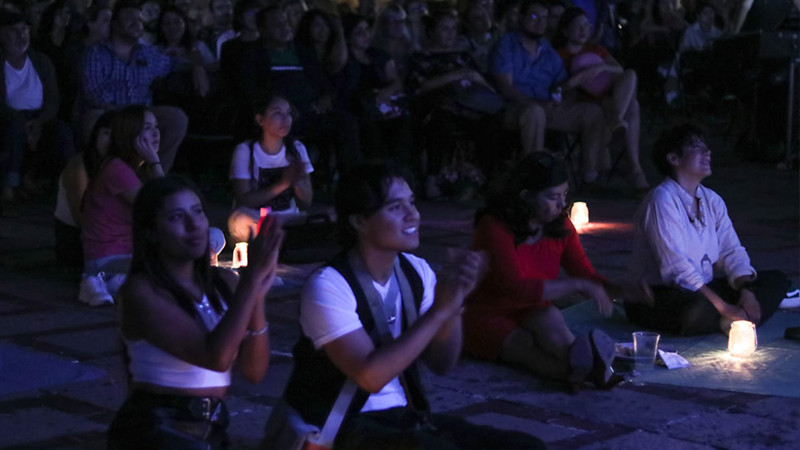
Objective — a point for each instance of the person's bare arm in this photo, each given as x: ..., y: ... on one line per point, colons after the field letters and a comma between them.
x: 149, y: 313
x: 337, y: 58
x: 373, y: 368
x: 436, y: 336
x: 75, y: 183
x: 725, y: 309
x: 505, y: 87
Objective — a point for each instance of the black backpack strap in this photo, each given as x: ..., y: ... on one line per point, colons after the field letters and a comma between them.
x: 409, y: 378
x: 411, y: 296
x: 250, y: 165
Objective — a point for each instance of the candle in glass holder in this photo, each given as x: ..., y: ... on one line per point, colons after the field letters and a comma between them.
x: 579, y: 214
x: 240, y: 255
x: 742, y: 340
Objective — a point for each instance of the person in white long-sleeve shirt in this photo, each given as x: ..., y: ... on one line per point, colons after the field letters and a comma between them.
x: 686, y: 249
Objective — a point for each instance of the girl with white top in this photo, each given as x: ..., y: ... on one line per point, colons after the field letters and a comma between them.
x: 272, y: 171
x: 184, y: 322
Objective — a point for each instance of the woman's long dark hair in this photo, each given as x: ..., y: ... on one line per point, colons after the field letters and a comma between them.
x: 186, y: 41
x: 535, y: 173
x: 349, y: 22
x: 91, y: 154
x: 125, y: 128
x: 146, y: 259
x: 559, y: 37
x: 303, y: 35
x: 91, y: 15
x: 48, y: 21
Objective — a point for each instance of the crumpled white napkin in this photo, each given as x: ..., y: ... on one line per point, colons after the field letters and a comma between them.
x: 673, y: 360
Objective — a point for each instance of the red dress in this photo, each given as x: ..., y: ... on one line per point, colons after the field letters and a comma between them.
x: 513, y: 287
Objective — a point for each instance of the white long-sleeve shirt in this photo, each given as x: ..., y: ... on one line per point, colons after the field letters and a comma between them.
x: 672, y: 246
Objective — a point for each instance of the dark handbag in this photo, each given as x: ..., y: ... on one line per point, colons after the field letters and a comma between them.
x: 396, y: 107
x: 480, y: 98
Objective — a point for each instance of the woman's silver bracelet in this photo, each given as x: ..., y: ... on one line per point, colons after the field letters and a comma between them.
x: 259, y: 332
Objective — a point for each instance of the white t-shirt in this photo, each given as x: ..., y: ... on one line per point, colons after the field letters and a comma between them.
x: 240, y: 165
x: 24, y: 88
x: 328, y: 312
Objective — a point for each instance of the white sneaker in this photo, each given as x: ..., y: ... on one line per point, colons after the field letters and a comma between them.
x: 93, y: 291
x: 791, y: 301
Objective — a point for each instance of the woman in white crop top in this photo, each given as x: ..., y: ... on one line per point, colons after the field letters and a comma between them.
x: 185, y: 322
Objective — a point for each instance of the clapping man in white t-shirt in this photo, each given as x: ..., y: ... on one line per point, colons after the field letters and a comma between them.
x: 413, y: 318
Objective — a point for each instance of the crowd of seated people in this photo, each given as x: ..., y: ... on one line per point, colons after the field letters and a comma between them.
x: 406, y: 82
x: 185, y: 59
x: 338, y: 84
x: 375, y: 312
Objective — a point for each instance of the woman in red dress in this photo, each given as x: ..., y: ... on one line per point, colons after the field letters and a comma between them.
x: 526, y: 233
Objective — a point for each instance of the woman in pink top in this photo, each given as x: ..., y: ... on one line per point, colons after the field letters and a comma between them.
x: 528, y: 238
x: 132, y: 159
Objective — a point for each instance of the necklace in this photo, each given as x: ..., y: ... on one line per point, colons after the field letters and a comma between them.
x: 205, y: 306
x: 208, y: 314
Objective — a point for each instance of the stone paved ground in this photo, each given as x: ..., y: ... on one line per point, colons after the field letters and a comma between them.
x: 61, y: 376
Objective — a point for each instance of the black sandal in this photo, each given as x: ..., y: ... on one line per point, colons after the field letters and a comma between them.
x: 604, y: 349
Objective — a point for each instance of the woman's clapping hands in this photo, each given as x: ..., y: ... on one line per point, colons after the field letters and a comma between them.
x: 263, y: 254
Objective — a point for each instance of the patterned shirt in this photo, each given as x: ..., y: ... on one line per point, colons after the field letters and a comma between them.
x: 532, y: 76
x: 110, y: 81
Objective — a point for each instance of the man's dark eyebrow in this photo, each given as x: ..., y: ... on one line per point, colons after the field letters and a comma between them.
x: 397, y: 200
x: 392, y: 200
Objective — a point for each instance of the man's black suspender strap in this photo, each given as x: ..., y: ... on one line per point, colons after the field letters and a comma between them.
x: 335, y: 418
x: 375, y: 303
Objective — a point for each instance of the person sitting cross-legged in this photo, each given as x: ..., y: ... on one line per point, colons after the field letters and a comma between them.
x: 378, y: 224
x: 686, y: 249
